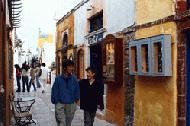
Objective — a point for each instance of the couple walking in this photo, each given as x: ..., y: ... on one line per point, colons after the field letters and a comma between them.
x: 67, y: 91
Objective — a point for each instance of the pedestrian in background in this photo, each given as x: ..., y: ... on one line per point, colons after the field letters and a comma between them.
x: 38, y: 74
x: 18, y: 77
x: 25, y: 75
x: 65, y: 94
x: 32, y: 77
x: 91, y: 96
x: 43, y: 77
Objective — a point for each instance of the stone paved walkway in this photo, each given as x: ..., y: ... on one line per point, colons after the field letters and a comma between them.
x: 43, y: 110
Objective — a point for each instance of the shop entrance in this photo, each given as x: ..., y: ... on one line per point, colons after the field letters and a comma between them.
x: 96, y: 59
x: 188, y: 78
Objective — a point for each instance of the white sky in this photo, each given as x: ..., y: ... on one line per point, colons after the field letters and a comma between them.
x: 41, y: 14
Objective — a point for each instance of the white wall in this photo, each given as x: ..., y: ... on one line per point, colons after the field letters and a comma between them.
x: 80, y: 23
x: 49, y: 53
x: 118, y: 14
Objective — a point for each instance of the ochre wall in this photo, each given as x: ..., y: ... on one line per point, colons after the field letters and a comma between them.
x: 66, y: 24
x: 58, y: 37
x: 156, y: 97
x: 151, y: 10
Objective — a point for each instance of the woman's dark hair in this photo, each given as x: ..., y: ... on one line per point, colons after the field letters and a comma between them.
x: 25, y: 66
x: 67, y: 63
x: 17, y: 66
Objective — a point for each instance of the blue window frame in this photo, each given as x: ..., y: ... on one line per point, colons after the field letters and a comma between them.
x: 133, y: 58
x: 151, y: 56
x: 144, y: 58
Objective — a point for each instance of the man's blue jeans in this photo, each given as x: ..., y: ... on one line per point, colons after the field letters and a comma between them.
x: 38, y: 82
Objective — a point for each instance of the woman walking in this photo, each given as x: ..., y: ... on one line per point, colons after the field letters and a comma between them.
x: 18, y: 77
x: 25, y: 77
x: 32, y: 75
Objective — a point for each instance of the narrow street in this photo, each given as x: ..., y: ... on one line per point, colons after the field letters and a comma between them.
x: 43, y: 110
x: 130, y: 57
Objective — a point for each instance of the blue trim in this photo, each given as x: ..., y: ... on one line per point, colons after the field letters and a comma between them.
x: 165, y: 41
x: 131, y: 45
x: 163, y: 57
x: 141, y: 43
x: 188, y: 78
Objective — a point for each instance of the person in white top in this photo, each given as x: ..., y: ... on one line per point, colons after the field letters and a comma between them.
x: 43, y: 77
x: 25, y: 74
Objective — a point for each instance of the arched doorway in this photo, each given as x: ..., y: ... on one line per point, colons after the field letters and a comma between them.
x: 80, y: 64
x: 65, y: 40
x: 64, y: 46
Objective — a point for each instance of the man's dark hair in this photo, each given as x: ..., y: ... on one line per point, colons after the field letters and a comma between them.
x: 93, y: 70
x: 67, y: 63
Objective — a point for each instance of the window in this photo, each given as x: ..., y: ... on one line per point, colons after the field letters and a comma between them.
x: 133, y: 59
x: 151, y: 56
x: 110, y: 60
x: 96, y: 22
x: 157, y: 54
x: 65, y: 41
x: 144, y: 58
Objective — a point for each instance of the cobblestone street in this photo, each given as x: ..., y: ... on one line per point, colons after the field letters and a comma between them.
x: 43, y: 110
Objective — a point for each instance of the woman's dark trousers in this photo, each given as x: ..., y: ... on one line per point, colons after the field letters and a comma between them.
x: 18, y: 83
x: 25, y: 83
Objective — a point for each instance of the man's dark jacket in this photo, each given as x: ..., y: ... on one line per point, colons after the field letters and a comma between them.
x: 91, y: 95
x: 65, y: 90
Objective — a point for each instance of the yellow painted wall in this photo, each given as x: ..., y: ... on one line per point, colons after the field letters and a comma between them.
x: 66, y: 24
x: 70, y: 53
x: 151, y: 10
x: 156, y: 97
x: 58, y: 37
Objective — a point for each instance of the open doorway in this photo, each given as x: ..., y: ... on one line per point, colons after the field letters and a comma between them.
x: 96, y: 59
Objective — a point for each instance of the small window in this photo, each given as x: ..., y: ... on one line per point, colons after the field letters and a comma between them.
x: 144, y: 58
x: 151, y: 56
x: 110, y: 61
x: 133, y: 59
x: 157, y: 52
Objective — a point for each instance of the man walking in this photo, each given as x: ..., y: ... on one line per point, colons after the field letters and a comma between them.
x: 65, y: 94
x: 91, y: 96
x: 43, y: 77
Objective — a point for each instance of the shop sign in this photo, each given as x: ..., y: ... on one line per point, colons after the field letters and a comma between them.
x: 95, y: 38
